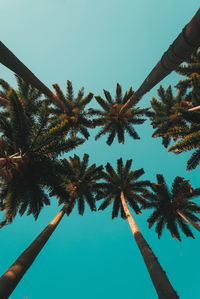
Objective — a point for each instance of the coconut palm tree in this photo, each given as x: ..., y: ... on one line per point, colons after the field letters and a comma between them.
x: 173, y: 208
x: 109, y: 119
x: 29, y: 147
x: 122, y: 189
x: 81, y: 184
x: 183, y: 46
x: 72, y: 109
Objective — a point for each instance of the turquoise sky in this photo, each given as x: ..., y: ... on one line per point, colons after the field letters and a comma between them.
x: 96, y: 44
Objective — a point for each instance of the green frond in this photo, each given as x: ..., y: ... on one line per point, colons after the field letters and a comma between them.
x: 127, y: 96
x: 103, y: 131
x: 21, y: 126
x: 81, y: 206
x: 108, y: 97
x: 116, y: 207
x: 120, y: 134
x: 160, y: 226
x: 80, y: 94
x: 59, y: 92
x: 102, y: 103
x: 153, y: 218
x: 194, y: 161
x: 105, y: 204
x: 5, y: 86
x: 111, y: 137
x: 184, y: 227
x: 87, y: 99
x: 69, y: 92
x: 131, y: 131
x: 189, y: 142
x: 118, y: 95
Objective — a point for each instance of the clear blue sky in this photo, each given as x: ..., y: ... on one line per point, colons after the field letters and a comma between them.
x: 96, y: 44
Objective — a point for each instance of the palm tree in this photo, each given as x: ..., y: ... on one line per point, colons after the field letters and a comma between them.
x: 121, y: 187
x: 166, y: 118
x: 72, y: 109
x: 173, y: 208
x: 81, y: 184
x: 183, y: 46
x: 29, y: 147
x: 109, y: 119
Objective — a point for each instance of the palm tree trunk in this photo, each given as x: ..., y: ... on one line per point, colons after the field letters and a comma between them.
x: 14, y: 274
x: 184, y: 45
x: 159, y: 278
x: 195, y: 225
x: 8, y: 59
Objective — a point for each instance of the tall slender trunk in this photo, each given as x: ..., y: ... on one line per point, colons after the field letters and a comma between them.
x: 8, y: 59
x: 184, y: 45
x: 14, y: 274
x: 195, y: 225
x: 159, y: 278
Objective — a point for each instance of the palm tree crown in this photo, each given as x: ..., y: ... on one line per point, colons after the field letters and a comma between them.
x: 112, y: 122
x: 81, y: 183
x: 166, y: 118
x: 191, y: 70
x: 29, y: 147
x: 123, y: 180
x: 167, y: 205
x: 73, y: 109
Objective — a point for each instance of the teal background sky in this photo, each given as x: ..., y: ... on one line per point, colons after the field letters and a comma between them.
x: 96, y: 44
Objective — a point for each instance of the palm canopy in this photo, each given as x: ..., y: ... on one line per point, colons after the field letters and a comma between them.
x: 166, y: 117
x: 167, y: 205
x: 72, y: 109
x: 29, y: 147
x: 191, y: 70
x: 191, y: 141
x: 114, y: 123
x: 123, y: 180
x: 81, y: 183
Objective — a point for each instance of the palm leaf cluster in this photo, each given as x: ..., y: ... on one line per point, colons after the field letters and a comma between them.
x: 166, y: 117
x: 113, y: 122
x: 191, y: 141
x: 123, y: 180
x: 30, y: 145
x: 72, y: 110
x: 191, y: 84
x: 29, y: 96
x: 166, y: 205
x: 81, y: 183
